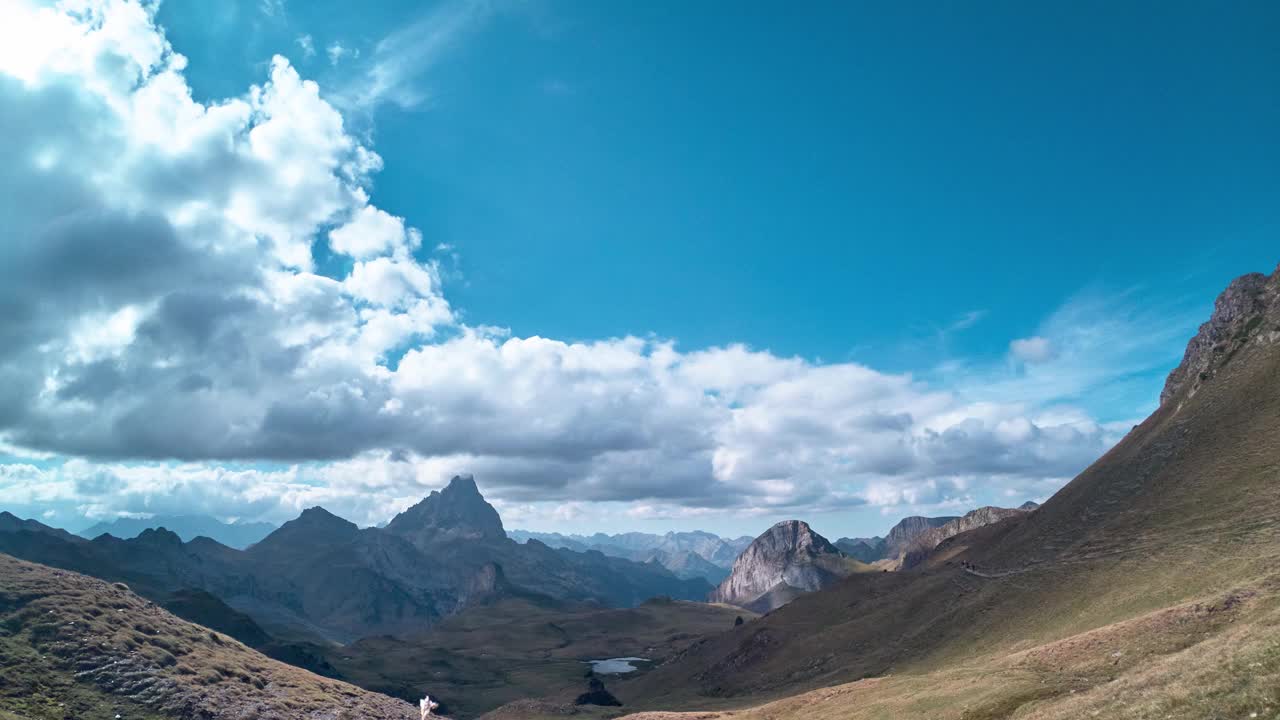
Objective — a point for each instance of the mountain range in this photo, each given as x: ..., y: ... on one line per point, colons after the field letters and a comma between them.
x: 188, y: 527
x: 320, y: 577
x: 1146, y: 587
x: 687, y: 554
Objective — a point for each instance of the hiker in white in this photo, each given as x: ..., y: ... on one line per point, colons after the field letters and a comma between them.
x: 426, y: 705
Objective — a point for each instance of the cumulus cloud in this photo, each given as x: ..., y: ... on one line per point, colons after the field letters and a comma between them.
x: 167, y: 335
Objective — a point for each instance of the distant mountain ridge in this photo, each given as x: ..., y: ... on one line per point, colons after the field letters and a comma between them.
x: 321, y: 576
x: 188, y: 527
x: 674, y: 550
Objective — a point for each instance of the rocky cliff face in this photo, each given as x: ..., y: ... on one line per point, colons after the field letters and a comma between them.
x: 919, y: 548
x: 907, y: 529
x: 789, y: 555
x: 1247, y: 312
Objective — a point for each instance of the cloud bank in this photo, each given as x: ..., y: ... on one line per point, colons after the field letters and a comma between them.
x: 174, y: 336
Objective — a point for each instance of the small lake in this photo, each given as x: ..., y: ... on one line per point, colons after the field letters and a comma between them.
x: 615, y: 666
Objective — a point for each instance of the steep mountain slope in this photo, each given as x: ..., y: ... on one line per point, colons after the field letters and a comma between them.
x: 321, y: 577
x: 1159, y: 558
x: 74, y: 646
x: 187, y: 527
x: 788, y: 559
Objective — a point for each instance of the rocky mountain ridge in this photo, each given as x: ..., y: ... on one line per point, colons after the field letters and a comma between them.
x: 922, y: 544
x: 890, y: 547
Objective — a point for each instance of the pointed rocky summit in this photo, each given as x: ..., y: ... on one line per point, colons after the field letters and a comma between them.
x: 457, y: 512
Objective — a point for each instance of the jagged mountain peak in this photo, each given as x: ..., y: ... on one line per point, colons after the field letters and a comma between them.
x: 1247, y: 311
x: 457, y: 511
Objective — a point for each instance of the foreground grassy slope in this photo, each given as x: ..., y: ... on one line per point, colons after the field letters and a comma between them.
x: 75, y: 647
x: 518, y: 648
x: 1214, y: 659
x: 1184, y: 510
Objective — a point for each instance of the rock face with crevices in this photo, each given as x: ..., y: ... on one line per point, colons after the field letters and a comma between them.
x: 1248, y: 311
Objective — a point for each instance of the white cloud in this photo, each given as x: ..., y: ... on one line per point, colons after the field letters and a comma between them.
x: 272, y: 8
x: 158, y: 257
x: 337, y: 51
x: 371, y: 232
x: 400, y: 59
x: 1032, y: 349
x: 308, y: 46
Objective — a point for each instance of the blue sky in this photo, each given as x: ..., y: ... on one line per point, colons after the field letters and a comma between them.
x: 830, y: 182
x: 1023, y: 207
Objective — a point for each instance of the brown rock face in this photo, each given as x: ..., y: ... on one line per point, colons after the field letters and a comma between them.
x: 1248, y: 311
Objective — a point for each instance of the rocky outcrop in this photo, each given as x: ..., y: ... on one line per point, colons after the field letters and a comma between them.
x: 922, y: 544
x: 1248, y: 311
x: 908, y: 529
x: 788, y: 559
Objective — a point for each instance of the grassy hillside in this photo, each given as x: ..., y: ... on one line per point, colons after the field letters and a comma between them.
x: 1184, y: 513
x: 75, y: 647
